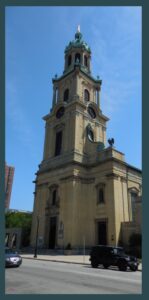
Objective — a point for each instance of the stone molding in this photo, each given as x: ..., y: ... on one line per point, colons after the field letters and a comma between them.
x: 123, y: 179
x: 133, y: 189
x: 53, y: 186
x: 100, y: 184
x: 78, y: 178
x: 112, y: 176
x: 41, y: 185
x: 59, y: 126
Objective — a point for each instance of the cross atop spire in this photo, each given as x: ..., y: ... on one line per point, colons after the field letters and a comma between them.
x: 78, y: 28
x: 78, y: 35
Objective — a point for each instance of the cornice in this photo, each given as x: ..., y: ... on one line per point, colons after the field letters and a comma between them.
x: 78, y: 68
x: 112, y: 176
x: 78, y: 178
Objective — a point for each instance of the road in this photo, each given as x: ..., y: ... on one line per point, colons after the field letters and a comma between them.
x: 41, y: 277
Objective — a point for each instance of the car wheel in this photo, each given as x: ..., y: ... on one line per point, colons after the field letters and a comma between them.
x: 134, y: 268
x: 122, y: 266
x: 106, y: 266
x: 94, y: 264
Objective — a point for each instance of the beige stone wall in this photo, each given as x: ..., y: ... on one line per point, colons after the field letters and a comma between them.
x: 39, y: 212
x: 73, y: 124
x: 78, y: 208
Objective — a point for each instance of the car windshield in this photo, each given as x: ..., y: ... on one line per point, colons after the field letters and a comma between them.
x: 118, y: 251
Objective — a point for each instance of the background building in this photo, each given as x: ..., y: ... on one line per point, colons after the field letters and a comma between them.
x: 85, y: 191
x: 9, y: 174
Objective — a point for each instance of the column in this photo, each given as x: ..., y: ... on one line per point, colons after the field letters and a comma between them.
x: 98, y: 98
x: 89, y: 64
x: 76, y: 87
x: 54, y: 97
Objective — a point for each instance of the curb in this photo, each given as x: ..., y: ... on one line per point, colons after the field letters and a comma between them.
x: 60, y: 261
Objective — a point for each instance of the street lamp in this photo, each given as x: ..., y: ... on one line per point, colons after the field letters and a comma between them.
x: 36, y: 244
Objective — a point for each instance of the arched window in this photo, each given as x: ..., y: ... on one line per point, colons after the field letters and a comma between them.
x: 69, y: 60
x: 66, y: 95
x: 85, y: 61
x: 101, y: 195
x: 58, y: 143
x: 86, y: 95
x: 54, y: 197
x: 56, y: 95
x: 77, y: 58
x: 133, y: 196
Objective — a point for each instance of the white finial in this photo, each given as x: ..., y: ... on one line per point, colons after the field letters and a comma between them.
x: 78, y: 28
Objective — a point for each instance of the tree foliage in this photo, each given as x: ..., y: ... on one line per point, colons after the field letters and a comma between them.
x: 18, y: 219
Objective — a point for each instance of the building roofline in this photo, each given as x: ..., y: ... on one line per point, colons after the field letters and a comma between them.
x: 99, y: 81
x: 91, y: 165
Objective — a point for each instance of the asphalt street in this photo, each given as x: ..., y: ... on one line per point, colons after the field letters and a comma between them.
x: 42, y: 277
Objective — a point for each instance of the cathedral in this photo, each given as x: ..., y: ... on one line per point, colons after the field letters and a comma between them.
x: 84, y: 189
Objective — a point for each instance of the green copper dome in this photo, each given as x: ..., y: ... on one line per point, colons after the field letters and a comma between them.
x: 78, y: 43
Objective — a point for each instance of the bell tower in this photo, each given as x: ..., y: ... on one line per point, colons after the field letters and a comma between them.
x: 82, y: 187
x: 75, y: 126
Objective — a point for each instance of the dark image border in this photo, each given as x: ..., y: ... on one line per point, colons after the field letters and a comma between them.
x: 145, y: 109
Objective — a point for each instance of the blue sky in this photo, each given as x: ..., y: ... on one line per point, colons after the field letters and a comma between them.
x: 35, y: 41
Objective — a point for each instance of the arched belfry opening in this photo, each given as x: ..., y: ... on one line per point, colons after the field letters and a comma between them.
x: 85, y: 61
x: 77, y: 58
x: 86, y: 95
x: 69, y: 60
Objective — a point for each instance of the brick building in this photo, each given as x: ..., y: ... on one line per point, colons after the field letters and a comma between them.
x: 9, y: 174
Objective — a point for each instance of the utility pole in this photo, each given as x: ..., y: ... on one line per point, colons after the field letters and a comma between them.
x: 36, y: 244
x: 84, y: 249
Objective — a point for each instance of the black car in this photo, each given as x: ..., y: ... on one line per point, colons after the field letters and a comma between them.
x: 12, y: 258
x: 112, y: 256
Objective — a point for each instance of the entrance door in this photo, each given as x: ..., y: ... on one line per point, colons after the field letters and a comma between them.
x: 102, y: 233
x: 52, y: 233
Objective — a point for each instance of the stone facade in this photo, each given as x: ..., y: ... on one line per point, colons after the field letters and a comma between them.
x: 83, y: 189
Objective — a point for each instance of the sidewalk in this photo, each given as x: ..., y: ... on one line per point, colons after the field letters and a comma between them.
x: 75, y: 259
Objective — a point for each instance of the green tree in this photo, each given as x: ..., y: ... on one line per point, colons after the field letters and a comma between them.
x: 20, y: 220
x: 17, y: 219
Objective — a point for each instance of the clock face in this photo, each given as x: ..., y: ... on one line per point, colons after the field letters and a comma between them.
x: 91, y: 112
x: 60, y: 112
